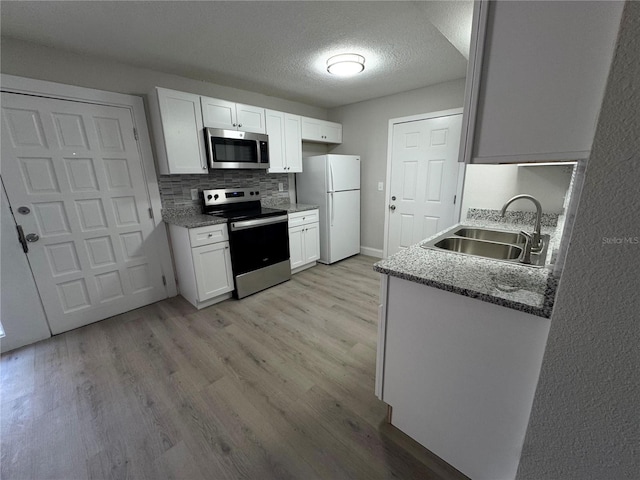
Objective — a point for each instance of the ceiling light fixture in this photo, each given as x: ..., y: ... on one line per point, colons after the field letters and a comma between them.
x: 345, y: 65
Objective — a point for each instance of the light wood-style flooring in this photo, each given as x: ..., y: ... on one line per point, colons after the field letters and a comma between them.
x: 279, y: 385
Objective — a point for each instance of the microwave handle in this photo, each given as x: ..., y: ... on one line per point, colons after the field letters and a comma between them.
x: 204, y: 157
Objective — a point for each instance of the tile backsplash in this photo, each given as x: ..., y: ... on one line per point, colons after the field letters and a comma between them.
x: 175, y: 190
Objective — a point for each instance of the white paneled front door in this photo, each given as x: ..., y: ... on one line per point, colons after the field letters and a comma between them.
x: 74, y: 179
x: 424, y: 175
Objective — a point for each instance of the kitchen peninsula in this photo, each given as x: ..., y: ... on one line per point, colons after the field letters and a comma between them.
x: 461, y: 341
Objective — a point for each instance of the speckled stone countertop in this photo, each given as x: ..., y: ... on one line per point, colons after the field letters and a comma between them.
x: 289, y: 207
x: 189, y: 217
x: 527, y: 289
x: 192, y: 217
x: 297, y: 207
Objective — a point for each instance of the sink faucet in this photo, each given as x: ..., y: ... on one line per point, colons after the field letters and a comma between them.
x: 536, y: 243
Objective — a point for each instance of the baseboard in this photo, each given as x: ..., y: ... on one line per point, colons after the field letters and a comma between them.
x: 372, y: 252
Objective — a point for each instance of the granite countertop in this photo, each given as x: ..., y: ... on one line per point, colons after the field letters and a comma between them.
x: 527, y: 289
x: 298, y: 207
x: 192, y: 216
x: 189, y: 217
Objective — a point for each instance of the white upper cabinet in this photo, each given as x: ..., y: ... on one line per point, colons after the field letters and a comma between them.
x: 285, y: 142
x: 536, y: 79
x: 177, y: 127
x: 232, y: 116
x: 293, y: 142
x: 321, y: 131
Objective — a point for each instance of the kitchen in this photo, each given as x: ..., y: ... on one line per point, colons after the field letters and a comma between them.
x: 106, y: 75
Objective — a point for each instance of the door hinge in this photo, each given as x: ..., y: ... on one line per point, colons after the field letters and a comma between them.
x: 454, y: 199
x: 164, y: 280
x: 135, y: 133
x: 150, y: 212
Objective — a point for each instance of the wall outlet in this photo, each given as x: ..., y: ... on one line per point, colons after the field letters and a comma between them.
x: 280, y: 187
x: 194, y: 194
x: 380, y: 186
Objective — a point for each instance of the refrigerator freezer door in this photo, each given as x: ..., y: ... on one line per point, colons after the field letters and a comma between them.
x: 342, y: 225
x: 343, y: 172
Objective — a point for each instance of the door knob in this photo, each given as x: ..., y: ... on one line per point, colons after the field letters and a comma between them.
x: 32, y: 237
x: 392, y: 207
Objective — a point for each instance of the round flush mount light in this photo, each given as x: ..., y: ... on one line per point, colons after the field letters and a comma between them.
x: 345, y: 65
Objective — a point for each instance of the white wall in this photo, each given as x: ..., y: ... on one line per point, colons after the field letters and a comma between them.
x: 365, y: 133
x: 584, y: 421
x: 36, y: 61
x: 490, y: 186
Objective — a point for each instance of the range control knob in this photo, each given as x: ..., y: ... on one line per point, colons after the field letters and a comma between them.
x: 257, y: 193
x: 209, y: 197
x: 215, y: 197
x: 251, y: 193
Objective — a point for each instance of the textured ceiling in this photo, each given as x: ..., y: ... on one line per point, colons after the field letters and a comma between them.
x: 274, y: 48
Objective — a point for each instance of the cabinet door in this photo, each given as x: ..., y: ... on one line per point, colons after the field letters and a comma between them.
x: 314, y: 130
x: 311, y: 129
x: 534, y: 93
x: 296, y: 247
x: 275, y: 130
x: 250, y: 118
x: 219, y: 113
x: 311, y: 242
x: 181, y: 120
x: 212, y: 266
x: 293, y: 143
x: 331, y: 132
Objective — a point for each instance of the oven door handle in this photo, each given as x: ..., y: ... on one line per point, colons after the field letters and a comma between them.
x: 244, y: 224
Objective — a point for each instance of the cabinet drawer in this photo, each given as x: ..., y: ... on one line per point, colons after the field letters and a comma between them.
x: 303, y: 218
x: 209, y: 234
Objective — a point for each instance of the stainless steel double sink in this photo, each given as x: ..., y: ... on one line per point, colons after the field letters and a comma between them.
x: 488, y: 243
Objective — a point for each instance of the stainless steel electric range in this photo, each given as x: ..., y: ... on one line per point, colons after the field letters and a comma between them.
x: 258, y: 238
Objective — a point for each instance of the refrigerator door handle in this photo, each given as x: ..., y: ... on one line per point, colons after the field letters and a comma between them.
x: 331, y: 189
x: 332, y: 215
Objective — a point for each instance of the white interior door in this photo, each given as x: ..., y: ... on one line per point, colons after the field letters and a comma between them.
x: 423, y: 183
x: 77, y: 169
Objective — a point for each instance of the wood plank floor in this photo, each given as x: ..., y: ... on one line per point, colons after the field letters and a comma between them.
x: 278, y: 385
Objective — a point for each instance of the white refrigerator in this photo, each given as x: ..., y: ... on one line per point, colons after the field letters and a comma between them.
x: 333, y: 183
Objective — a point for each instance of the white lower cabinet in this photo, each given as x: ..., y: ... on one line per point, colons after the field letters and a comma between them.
x: 212, y: 266
x: 459, y: 373
x: 304, y: 239
x: 203, y: 263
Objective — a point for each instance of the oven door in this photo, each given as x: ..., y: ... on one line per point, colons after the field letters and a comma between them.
x: 259, y: 253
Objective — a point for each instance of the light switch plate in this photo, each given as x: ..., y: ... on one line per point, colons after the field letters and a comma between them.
x: 280, y: 187
x: 194, y: 194
x: 380, y: 186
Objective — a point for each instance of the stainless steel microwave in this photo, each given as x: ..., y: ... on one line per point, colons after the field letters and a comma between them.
x: 234, y: 149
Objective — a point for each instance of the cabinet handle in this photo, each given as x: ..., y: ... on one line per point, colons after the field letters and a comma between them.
x: 235, y: 124
x: 210, y: 235
x: 239, y: 125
